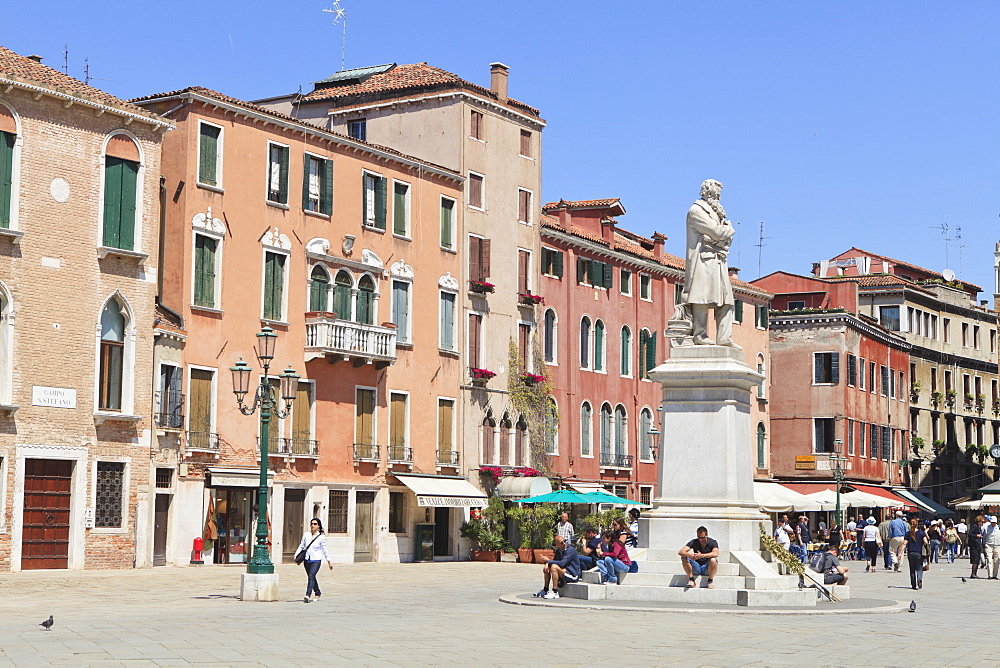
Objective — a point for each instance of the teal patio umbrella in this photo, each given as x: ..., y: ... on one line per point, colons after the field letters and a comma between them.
x: 607, y: 497
x: 569, y: 496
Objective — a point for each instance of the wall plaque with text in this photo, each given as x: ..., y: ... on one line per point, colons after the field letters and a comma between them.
x: 53, y: 397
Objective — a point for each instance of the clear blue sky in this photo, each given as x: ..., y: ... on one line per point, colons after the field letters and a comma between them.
x: 837, y: 124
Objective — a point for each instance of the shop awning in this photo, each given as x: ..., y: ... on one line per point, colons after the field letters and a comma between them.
x: 870, y: 496
x: 443, y: 491
x: 898, y: 501
x: 977, y: 504
x: 775, y: 498
x: 928, y: 505
x: 515, y: 487
x: 587, y: 487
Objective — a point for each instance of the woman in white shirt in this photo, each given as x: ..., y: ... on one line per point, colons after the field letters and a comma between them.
x: 314, y: 545
x: 870, y: 538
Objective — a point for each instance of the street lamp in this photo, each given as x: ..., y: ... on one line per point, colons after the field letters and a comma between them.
x: 838, y: 473
x: 265, y: 399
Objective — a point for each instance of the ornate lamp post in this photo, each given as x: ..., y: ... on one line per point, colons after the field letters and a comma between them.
x: 838, y: 473
x: 264, y: 399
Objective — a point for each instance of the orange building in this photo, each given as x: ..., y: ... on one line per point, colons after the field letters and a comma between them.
x: 346, y: 250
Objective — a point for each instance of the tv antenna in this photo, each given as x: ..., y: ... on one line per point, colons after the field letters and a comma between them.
x: 340, y: 16
x: 65, y: 59
x: 946, y: 238
x: 86, y: 73
x: 760, y: 246
x: 958, y: 242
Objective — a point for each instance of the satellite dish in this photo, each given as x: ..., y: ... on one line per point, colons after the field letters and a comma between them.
x: 948, y: 275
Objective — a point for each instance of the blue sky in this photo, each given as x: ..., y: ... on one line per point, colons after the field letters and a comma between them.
x: 837, y: 124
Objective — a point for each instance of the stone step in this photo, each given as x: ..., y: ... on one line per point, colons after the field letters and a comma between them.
x: 718, y: 596
x: 681, y: 580
x: 674, y: 567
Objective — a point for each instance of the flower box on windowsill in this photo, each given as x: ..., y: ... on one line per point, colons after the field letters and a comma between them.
x: 531, y: 379
x: 528, y: 299
x: 481, y: 376
x: 104, y: 251
x: 481, y: 287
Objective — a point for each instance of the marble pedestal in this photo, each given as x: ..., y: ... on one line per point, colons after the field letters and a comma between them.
x: 259, y: 587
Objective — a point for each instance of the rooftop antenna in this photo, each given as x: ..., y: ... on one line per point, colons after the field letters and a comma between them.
x: 65, y: 58
x: 340, y: 16
x: 944, y: 237
x: 760, y: 247
x: 86, y: 73
x: 958, y: 240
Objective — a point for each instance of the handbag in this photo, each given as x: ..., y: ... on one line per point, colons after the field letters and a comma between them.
x: 300, y: 556
x: 927, y: 566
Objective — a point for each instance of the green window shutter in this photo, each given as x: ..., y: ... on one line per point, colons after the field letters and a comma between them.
x: 7, y: 140
x: 557, y: 263
x: 380, y: 202
x: 268, y: 284
x: 365, y: 181
x: 273, y: 285
x: 399, y: 209
x: 283, y: 177
x: 112, y: 200
x: 608, y: 274
x: 342, y: 297
x: 650, y: 353
x: 595, y: 275
x: 599, y: 346
x: 447, y: 321
x: 208, y: 155
x: 326, y: 188
x: 366, y: 300
x: 763, y: 316
x: 447, y: 208
x: 204, y: 271
x: 305, y: 183
x: 317, y: 295
x: 581, y: 270
x: 738, y: 311
x: 130, y: 177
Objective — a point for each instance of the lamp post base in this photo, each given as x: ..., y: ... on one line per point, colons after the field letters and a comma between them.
x: 259, y: 587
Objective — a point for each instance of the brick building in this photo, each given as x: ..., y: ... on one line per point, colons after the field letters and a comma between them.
x: 79, y: 173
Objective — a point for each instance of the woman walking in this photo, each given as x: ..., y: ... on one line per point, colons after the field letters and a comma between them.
x: 951, y: 541
x: 974, y: 538
x: 934, y: 540
x: 314, y: 545
x: 913, y: 544
x: 870, y: 538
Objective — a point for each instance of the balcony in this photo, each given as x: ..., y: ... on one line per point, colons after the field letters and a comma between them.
x: 400, y: 454
x: 367, y: 452
x: 291, y: 448
x: 347, y: 340
x: 447, y: 458
x: 170, y: 405
x: 202, y: 441
x: 611, y: 460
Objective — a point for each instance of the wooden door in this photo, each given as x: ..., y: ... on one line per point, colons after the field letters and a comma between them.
x: 161, y: 513
x: 364, y: 526
x: 292, y: 530
x: 47, y: 494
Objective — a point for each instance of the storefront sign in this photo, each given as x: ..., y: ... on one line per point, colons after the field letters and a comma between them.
x: 805, y: 463
x: 53, y: 397
x: 237, y: 478
x: 451, y: 501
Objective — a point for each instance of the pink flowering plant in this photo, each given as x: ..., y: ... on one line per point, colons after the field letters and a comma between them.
x: 481, y: 374
x: 532, y: 378
x: 528, y: 298
x: 482, y: 287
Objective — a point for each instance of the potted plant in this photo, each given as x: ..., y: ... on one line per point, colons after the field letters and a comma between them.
x: 917, y: 444
x: 481, y: 287
x: 950, y: 398
x: 915, y: 390
x: 996, y: 406
x: 481, y: 376
x: 531, y: 379
x: 939, y: 446
x: 536, y: 525
x: 529, y: 299
x: 969, y: 400
x: 936, y: 398
x: 484, y: 537
x: 980, y: 403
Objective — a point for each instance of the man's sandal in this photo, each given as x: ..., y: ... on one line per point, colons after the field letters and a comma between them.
x: 691, y: 583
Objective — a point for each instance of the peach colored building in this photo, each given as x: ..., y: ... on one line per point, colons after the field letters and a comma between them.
x: 347, y: 251
x: 78, y: 266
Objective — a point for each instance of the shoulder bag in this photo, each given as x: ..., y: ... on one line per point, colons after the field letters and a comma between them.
x: 300, y: 556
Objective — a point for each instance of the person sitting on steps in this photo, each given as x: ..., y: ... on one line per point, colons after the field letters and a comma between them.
x: 700, y: 557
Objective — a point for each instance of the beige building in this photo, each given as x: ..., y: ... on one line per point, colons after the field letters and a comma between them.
x: 495, y: 142
x: 79, y: 173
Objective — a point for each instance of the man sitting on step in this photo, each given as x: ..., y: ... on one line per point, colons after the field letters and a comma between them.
x: 564, y: 568
x: 700, y: 557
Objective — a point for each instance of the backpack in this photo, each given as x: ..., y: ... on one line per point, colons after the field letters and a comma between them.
x: 817, y: 562
x: 950, y: 536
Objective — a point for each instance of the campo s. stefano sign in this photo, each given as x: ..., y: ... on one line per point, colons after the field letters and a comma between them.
x: 53, y: 397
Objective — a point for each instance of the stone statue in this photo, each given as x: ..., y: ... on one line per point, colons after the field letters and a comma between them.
x: 706, y: 277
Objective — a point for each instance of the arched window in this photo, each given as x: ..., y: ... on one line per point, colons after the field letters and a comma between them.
x: 599, y: 346
x: 9, y: 168
x: 122, y: 188
x: 621, y: 438
x: 551, y: 427
x: 647, y: 352
x: 112, y: 362
x: 645, y: 439
x: 489, y: 450
x: 585, y: 343
x: 343, y: 286
x: 761, y: 393
x: 505, y: 427
x: 761, y: 446
x: 606, y: 458
x: 586, y: 430
x: 6, y: 344
x: 626, y: 362
x: 319, y: 289
x: 521, y: 443
x: 550, y: 336
x: 366, y: 301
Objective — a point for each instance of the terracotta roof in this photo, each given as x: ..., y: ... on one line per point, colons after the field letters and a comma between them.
x: 21, y: 68
x: 901, y: 263
x: 397, y: 79
x: 584, y: 203
x: 256, y: 108
x: 876, y: 281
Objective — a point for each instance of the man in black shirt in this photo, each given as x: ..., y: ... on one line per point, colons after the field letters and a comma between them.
x: 700, y: 557
x: 591, y: 548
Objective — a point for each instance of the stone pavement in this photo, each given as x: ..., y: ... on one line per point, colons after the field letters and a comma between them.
x: 449, y: 613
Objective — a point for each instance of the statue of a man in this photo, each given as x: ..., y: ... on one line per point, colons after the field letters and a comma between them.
x: 706, y: 277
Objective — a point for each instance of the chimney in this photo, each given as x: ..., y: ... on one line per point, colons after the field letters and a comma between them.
x: 498, y: 80
x: 564, y: 216
x: 658, y: 240
x: 35, y: 58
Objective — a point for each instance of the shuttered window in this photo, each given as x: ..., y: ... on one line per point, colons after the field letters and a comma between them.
x: 7, y: 140
x: 526, y: 143
x: 552, y: 262
x: 626, y: 356
x: 274, y: 285
x: 208, y: 154
x: 476, y: 191
x: 365, y: 309
x: 550, y: 336
x: 447, y: 331
x: 277, y: 174
x: 524, y: 345
x: 364, y: 416
x: 397, y: 421
x: 317, y: 185
x: 523, y: 271
x: 342, y: 296
x: 586, y: 430
x: 374, y: 201
x: 824, y: 434
x: 302, y: 418
x: 447, y: 223
x: 599, y: 346
x: 852, y: 370
x: 204, y: 270
x: 446, y: 408
x: 625, y: 282
x: 647, y: 353
x: 401, y: 309
x: 606, y: 429
x: 645, y: 287
x: 826, y: 368
x: 524, y: 206
x: 476, y: 125
x: 200, y: 402
x: 400, y: 209
x: 319, y: 289
x: 479, y: 258
x: 475, y: 339
x: 738, y: 311
x: 585, y: 343
x: 120, y: 183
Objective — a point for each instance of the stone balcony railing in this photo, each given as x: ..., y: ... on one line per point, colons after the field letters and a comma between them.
x: 348, y: 340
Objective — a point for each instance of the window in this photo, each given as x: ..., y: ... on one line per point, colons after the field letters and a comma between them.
x: 887, y: 434
x: 401, y: 310
x: 826, y: 368
x: 645, y: 289
x: 364, y: 416
x: 201, y: 411
x: 205, y: 270
x: 445, y: 440
x: 317, y: 185
x: 852, y: 370
x: 121, y: 190
x: 342, y: 296
x: 358, y: 129
x: 965, y: 335
x: 475, y: 340
x: 645, y: 494
x: 647, y: 353
x: 112, y: 367
x: 889, y: 317
x: 599, y: 346
x: 447, y: 321
x: 976, y: 338
x: 946, y: 326
x: 621, y: 431
x: 585, y: 343
x: 592, y: 272
x: 479, y: 258
x: 761, y: 446
x: 862, y: 430
x: 319, y: 289
x: 626, y: 352
x: 549, y: 336
x: 164, y: 478
x: 397, y: 512
x: 552, y: 262
x: 796, y: 305
x: 993, y: 340
x: 645, y: 438
x: 364, y: 309
x: 523, y: 271
x: 524, y: 346
x: 209, y: 154
x: 169, y: 399
x: 398, y: 419
x: 489, y: 440
x: 524, y: 206
x: 874, y: 436
x: 374, y: 202
x: 447, y: 223
x: 400, y: 209
x: 872, y: 380
x: 336, y: 516
x: 475, y: 190
x: 824, y: 430
x: 625, y: 282
x: 277, y: 174
x: 605, y: 431
x: 761, y: 319
x: 8, y: 147
x: 738, y: 311
x: 884, y: 378
x: 109, y: 494
x: 850, y: 437
x: 526, y: 143
x: 586, y: 433
x: 301, y: 422
x: 476, y: 129
x: 504, y: 440
x: 274, y: 285
x: 861, y: 374
x: 551, y: 428
x: 761, y: 369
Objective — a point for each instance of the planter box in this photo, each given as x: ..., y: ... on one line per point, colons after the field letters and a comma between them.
x: 508, y: 557
x: 478, y: 382
x: 542, y: 556
x: 486, y: 555
x: 525, y: 555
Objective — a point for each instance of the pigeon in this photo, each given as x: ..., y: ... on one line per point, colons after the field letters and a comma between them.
x: 913, y: 606
x: 963, y: 579
x: 48, y: 623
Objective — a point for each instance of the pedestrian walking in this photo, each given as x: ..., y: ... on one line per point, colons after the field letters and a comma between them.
x: 871, y: 539
x: 974, y: 541
x: 883, y: 530
x: 897, y: 532
x: 934, y: 540
x: 991, y: 541
x: 952, y: 542
x: 313, y: 548
x: 963, y: 537
x: 914, y: 542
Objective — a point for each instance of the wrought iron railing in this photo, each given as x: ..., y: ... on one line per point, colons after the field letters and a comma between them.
x: 202, y: 440
x: 170, y: 410
x: 366, y: 452
x: 616, y: 461
x: 447, y: 457
x: 400, y: 453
